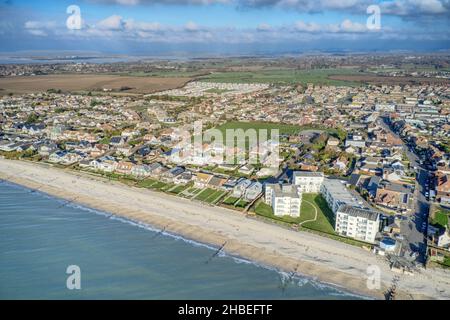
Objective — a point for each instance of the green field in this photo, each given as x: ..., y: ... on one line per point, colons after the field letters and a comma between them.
x: 284, y: 129
x: 162, y: 73
x: 283, y: 76
x: 217, y: 91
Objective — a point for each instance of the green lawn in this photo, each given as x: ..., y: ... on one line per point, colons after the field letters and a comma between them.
x: 179, y: 189
x: 325, y: 217
x: 159, y: 185
x: 147, y: 183
x: 446, y: 262
x: 241, y: 204
x: 202, y: 196
x: 212, y: 198
x: 324, y: 222
x: 269, y: 126
x: 265, y: 210
x: 440, y: 218
x: 217, y: 90
x: 230, y: 200
x: 283, y: 76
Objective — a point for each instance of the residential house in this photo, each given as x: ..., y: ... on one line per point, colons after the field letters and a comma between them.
x: 253, y: 191
x: 124, y: 167
x: 202, y: 179
x: 241, y: 186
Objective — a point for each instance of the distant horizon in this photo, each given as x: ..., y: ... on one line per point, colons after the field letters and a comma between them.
x: 229, y: 27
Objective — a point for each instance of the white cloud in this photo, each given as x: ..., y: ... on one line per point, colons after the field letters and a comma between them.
x: 39, y: 28
x: 264, y: 27
x: 191, y: 26
x: 346, y: 26
x: 113, y: 22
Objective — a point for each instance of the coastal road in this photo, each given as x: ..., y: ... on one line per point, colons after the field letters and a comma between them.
x: 412, y: 228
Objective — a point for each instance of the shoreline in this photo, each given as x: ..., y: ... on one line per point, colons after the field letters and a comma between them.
x: 194, y: 242
x: 330, y: 262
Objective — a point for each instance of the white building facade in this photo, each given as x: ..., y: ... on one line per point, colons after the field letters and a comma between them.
x: 336, y: 194
x: 308, y: 182
x: 285, y: 200
x: 358, y: 223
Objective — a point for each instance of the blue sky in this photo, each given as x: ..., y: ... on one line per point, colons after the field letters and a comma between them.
x: 224, y: 26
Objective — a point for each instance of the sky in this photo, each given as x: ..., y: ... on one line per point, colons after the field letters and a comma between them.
x: 154, y: 27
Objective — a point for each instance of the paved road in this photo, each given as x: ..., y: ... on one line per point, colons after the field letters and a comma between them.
x: 412, y: 228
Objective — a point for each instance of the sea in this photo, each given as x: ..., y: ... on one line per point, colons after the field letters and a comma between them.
x: 54, y: 249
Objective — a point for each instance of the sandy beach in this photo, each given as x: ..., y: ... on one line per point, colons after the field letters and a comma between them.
x: 321, y: 258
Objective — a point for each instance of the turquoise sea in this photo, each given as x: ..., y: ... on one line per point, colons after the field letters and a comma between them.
x: 40, y: 236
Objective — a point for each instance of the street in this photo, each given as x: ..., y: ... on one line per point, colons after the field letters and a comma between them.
x: 413, y: 228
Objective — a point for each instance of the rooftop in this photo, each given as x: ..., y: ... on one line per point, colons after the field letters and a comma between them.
x: 359, y: 212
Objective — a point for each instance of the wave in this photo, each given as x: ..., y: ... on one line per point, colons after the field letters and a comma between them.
x: 285, y: 277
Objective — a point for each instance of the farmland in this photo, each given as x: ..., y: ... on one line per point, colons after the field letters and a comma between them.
x: 78, y: 82
x: 285, y: 76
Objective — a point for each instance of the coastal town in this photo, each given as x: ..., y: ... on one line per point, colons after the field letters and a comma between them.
x: 366, y: 165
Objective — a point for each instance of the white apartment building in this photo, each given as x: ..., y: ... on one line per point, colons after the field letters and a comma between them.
x: 357, y: 223
x: 285, y: 200
x: 308, y: 182
x: 336, y: 194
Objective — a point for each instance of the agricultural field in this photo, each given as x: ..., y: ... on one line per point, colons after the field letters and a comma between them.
x: 285, y: 77
x: 86, y: 83
x: 386, y: 80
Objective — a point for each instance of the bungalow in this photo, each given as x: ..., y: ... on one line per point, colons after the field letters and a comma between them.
x: 169, y: 175
x: 442, y: 185
x: 140, y: 171
x: 46, y: 149
x: 33, y: 129
x: 216, y: 182
x: 246, y: 169
x: 57, y: 157
x: 183, y: 178
x: 117, y: 141
x: 125, y: 150
x: 340, y: 164
x: 156, y: 168
x: 124, y: 167
x: 98, y: 150
x: 202, y: 179
x: 253, y: 191
x: 398, y: 166
x: 106, y: 164
x: 241, y: 186
x: 393, y: 196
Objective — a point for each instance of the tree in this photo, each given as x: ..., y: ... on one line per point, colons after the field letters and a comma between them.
x: 32, y: 118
